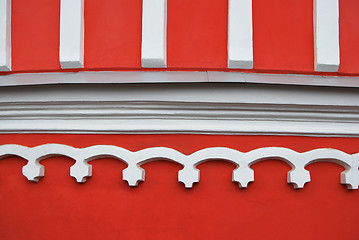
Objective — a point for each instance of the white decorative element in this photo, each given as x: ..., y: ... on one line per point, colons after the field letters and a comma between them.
x: 187, y: 108
x: 133, y: 174
x: 240, y: 36
x: 5, y: 35
x: 326, y: 35
x: 72, y: 34
x: 24, y: 79
x: 154, y: 33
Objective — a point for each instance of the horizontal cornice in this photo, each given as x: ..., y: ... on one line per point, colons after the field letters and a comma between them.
x: 199, y: 108
x: 21, y: 79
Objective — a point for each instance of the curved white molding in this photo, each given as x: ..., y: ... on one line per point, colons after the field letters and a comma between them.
x: 133, y: 174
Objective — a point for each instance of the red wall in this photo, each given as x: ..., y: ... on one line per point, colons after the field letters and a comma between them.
x: 196, y: 37
x: 105, y: 207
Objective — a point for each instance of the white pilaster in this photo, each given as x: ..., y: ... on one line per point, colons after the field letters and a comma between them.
x: 326, y: 35
x: 154, y: 33
x: 240, y: 36
x: 72, y: 34
x: 5, y: 35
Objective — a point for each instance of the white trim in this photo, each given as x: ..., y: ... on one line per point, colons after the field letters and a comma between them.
x: 240, y: 39
x: 72, y: 34
x: 284, y: 79
x: 190, y: 93
x: 5, y: 35
x: 326, y: 35
x: 183, y: 108
x: 22, y: 79
x: 133, y: 174
x: 154, y: 33
x: 153, y: 126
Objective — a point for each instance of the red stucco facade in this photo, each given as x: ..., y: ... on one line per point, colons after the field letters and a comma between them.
x: 105, y: 207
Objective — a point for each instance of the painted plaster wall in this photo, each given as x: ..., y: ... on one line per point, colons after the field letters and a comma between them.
x: 196, y: 35
x: 105, y: 207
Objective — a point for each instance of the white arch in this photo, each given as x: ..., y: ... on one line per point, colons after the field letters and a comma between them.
x: 133, y: 174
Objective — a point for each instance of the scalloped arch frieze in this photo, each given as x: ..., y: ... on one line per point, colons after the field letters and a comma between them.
x: 189, y: 174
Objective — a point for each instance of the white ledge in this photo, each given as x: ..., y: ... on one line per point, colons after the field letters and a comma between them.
x: 175, y: 77
x: 133, y: 174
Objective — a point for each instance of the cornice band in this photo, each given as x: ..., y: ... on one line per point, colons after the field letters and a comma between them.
x: 207, y: 108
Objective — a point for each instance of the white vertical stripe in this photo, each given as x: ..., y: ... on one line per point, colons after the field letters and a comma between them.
x: 154, y: 33
x: 326, y: 35
x: 5, y: 35
x: 240, y: 36
x: 72, y: 34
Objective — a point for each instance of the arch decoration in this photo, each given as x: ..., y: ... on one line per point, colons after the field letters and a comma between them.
x: 134, y: 173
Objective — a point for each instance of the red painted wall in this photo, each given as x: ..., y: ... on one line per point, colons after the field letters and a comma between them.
x: 35, y: 35
x: 197, y: 34
x: 283, y: 35
x: 196, y: 39
x: 113, y: 34
x: 349, y: 36
x: 105, y: 207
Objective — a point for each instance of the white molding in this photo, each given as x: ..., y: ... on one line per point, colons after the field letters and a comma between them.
x: 5, y: 35
x: 201, y: 108
x: 284, y: 79
x: 23, y: 79
x: 133, y: 174
x: 154, y: 33
x: 240, y: 36
x: 72, y: 34
x: 326, y: 35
